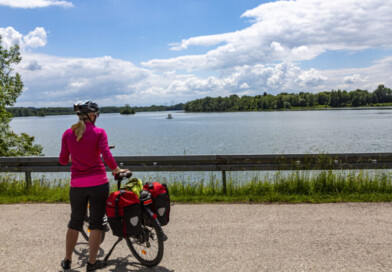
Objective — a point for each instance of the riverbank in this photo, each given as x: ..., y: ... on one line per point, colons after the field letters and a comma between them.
x: 296, y: 187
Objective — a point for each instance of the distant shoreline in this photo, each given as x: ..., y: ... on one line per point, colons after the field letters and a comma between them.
x: 388, y: 106
x: 381, y: 98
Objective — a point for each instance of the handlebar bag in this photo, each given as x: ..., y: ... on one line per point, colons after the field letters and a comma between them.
x: 161, y: 201
x: 124, y: 213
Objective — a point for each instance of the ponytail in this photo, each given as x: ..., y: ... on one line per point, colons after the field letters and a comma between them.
x: 79, y: 128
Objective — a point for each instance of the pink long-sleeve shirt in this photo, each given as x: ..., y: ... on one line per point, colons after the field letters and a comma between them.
x: 87, y: 167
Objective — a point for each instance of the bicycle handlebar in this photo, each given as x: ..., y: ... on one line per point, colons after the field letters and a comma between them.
x: 120, y: 176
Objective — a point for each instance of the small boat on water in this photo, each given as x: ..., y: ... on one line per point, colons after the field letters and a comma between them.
x: 169, y: 116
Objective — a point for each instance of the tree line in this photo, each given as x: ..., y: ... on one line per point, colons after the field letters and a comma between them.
x: 334, y: 98
x: 32, y: 111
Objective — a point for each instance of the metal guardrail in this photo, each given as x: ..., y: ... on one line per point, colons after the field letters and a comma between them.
x: 220, y: 163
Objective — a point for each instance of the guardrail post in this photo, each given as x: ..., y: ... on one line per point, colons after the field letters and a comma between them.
x: 224, y: 181
x: 28, y: 179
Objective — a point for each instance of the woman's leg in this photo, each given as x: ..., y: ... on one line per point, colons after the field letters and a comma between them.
x: 70, y: 242
x: 78, y: 200
x: 97, y: 197
x: 93, y: 242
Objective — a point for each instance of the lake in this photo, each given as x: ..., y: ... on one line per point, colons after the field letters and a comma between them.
x: 150, y: 133
x: 277, y: 132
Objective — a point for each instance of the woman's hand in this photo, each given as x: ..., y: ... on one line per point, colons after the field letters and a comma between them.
x: 119, y: 170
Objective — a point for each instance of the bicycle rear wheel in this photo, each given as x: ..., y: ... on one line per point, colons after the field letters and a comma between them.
x: 148, y: 247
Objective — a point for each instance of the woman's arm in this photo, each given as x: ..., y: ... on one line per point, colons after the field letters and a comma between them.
x: 64, y: 157
x: 105, y: 151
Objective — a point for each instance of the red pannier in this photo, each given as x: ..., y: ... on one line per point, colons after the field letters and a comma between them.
x: 161, y: 201
x: 124, y: 213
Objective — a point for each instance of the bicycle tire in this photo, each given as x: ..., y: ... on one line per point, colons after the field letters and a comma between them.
x: 141, y: 250
x: 86, y: 236
x: 85, y: 230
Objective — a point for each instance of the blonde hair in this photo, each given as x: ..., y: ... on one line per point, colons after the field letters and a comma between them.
x: 79, y: 128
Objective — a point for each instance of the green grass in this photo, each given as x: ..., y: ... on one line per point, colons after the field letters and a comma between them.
x: 288, y: 187
x: 42, y: 190
x: 296, y: 187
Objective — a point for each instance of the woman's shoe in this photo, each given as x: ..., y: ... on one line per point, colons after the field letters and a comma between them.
x: 97, y: 265
x: 66, y: 264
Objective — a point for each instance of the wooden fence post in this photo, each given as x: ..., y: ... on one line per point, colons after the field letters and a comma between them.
x: 224, y: 181
x: 28, y: 179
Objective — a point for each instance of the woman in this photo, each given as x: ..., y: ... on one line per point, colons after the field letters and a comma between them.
x: 84, y: 143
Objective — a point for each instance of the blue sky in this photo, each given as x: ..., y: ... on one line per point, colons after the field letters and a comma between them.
x: 159, y: 52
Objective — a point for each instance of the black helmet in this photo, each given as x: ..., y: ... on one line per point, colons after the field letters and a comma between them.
x: 84, y: 107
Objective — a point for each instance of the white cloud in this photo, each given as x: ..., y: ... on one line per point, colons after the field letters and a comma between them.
x: 353, y: 79
x: 311, y: 78
x: 244, y: 86
x: 367, y: 78
x: 35, y: 38
x: 60, y: 78
x: 290, y: 31
x: 10, y: 37
x: 56, y: 81
x: 265, y: 57
x: 201, y: 41
x: 61, y: 81
x: 32, y: 65
x: 35, y: 3
x: 277, y: 47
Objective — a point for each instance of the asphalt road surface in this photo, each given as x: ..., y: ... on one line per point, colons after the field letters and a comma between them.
x: 224, y: 237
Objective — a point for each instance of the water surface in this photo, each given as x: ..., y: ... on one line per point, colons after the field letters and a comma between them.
x: 150, y: 133
x: 283, y: 132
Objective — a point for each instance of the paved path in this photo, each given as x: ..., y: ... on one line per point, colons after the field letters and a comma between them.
x: 276, y: 237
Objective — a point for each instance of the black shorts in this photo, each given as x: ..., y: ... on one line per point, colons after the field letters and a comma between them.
x: 96, y: 196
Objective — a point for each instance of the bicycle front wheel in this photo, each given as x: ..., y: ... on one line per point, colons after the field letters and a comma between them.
x: 86, y: 234
x: 86, y: 231
x: 148, y: 247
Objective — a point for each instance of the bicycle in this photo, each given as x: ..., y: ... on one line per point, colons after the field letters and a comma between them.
x: 148, y: 246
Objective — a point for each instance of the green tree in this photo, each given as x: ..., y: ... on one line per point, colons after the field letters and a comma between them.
x: 322, y: 98
x: 355, y: 102
x: 41, y: 113
x: 234, y: 102
x: 11, y: 86
x: 280, y: 102
x: 127, y: 110
x: 374, y: 98
x: 384, y: 94
x: 334, y: 100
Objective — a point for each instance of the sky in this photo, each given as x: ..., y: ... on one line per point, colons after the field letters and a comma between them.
x: 164, y: 52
